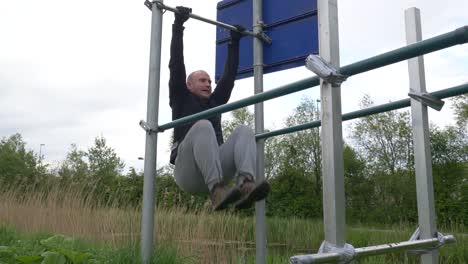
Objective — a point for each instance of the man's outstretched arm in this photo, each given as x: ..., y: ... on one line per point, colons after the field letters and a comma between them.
x: 177, y: 77
x: 223, y: 90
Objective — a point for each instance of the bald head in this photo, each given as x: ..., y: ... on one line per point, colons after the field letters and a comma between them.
x: 195, y: 73
x: 199, y: 83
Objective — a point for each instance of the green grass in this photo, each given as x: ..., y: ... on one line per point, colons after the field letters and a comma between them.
x: 286, y: 237
x: 292, y: 236
x: 301, y: 236
x: 111, y: 234
x: 234, y: 236
x: 47, y: 248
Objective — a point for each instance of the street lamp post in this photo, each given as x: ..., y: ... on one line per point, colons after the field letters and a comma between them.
x: 40, y: 152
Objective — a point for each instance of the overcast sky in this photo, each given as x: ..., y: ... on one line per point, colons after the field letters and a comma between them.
x: 74, y: 70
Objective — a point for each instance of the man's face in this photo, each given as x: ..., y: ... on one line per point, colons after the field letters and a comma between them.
x: 199, y: 83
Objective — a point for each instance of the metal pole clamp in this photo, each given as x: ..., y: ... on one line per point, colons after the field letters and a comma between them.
x: 324, y: 70
x: 147, y: 127
x: 427, y: 99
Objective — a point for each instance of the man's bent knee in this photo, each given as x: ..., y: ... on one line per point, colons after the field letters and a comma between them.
x: 203, y: 125
x: 244, y: 130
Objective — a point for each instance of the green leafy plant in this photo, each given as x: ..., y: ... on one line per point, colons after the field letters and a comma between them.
x: 57, y: 249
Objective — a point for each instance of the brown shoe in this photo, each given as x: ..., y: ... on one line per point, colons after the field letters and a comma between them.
x: 251, y: 192
x: 221, y: 196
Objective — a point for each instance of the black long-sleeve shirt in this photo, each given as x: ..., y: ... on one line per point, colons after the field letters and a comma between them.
x: 183, y: 102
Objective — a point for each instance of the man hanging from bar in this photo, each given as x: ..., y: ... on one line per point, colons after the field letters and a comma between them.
x: 203, y: 162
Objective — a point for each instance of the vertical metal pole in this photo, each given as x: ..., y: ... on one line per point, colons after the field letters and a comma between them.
x: 332, y: 138
x: 422, y: 151
x: 147, y: 219
x: 260, y: 219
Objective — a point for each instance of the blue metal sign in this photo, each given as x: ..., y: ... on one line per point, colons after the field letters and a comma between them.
x: 292, y: 25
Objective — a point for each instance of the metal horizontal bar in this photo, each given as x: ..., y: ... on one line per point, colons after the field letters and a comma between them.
x: 441, y: 94
x: 209, y: 21
x: 260, y: 97
x: 372, y: 250
x: 458, y: 36
x: 402, y: 246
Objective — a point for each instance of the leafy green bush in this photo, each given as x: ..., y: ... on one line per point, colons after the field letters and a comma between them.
x: 59, y: 249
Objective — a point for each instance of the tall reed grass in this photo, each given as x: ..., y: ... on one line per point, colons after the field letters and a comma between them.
x: 203, y: 237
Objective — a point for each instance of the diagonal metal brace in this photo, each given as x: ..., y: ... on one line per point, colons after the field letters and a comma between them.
x: 264, y: 37
x: 443, y: 239
x: 147, y: 127
x: 427, y: 99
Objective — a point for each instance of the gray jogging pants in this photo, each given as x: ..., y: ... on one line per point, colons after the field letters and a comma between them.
x: 201, y: 163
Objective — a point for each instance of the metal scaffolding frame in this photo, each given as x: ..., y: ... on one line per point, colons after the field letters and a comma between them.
x: 334, y: 248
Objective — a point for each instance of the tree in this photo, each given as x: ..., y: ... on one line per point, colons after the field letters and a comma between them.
x: 302, y: 149
x: 241, y: 116
x: 104, y: 165
x: 95, y: 171
x: 384, y: 140
x: 103, y: 160
x: 461, y: 109
x: 450, y: 172
x: 449, y: 144
x: 359, y: 188
x: 128, y: 190
x: 291, y: 195
x: 17, y: 164
x: 273, y: 157
x: 75, y: 167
